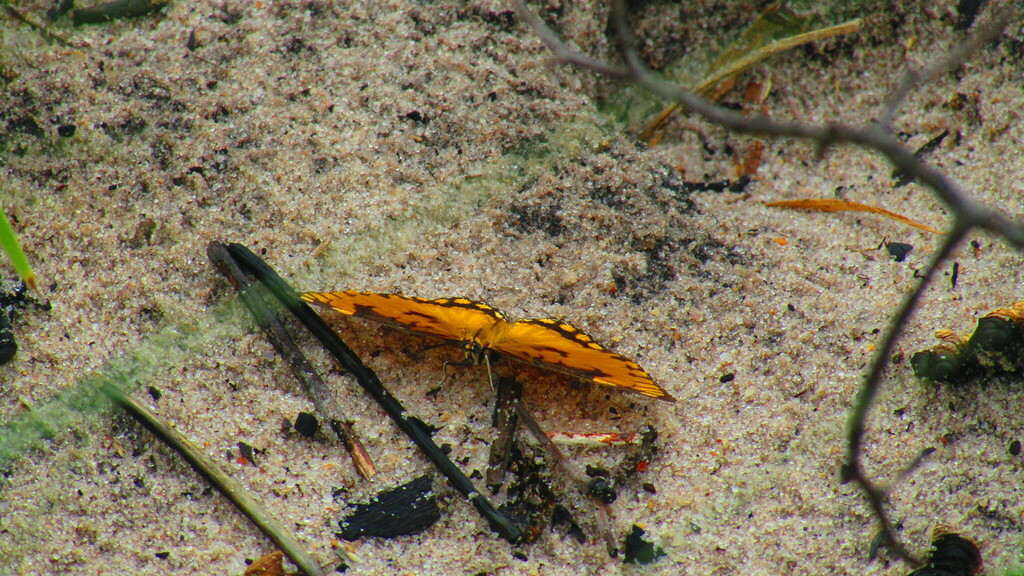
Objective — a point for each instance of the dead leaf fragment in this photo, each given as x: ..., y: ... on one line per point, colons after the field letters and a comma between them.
x: 834, y: 205
x: 270, y: 565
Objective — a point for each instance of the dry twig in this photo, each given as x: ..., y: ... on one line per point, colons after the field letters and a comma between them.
x: 967, y: 213
x: 277, y: 531
x: 326, y: 406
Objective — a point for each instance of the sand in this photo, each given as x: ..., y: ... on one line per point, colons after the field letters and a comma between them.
x: 438, y: 151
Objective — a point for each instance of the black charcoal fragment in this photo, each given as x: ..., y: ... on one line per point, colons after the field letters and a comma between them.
x: 409, y: 509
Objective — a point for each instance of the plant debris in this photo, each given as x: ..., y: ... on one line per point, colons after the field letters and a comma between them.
x: 835, y: 205
x: 902, y: 178
x: 10, y: 302
x: 640, y: 550
x: 409, y: 509
x: 248, y: 452
x: 774, y: 31
x: 997, y: 345
x: 114, y: 10
x: 271, y: 564
x: 737, y: 185
x: 306, y: 424
x: 898, y: 250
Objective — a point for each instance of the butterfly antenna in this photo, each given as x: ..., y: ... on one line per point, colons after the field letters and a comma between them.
x: 444, y: 374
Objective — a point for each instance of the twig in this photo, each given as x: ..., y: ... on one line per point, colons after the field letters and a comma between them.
x: 372, y: 385
x: 956, y: 57
x: 510, y: 391
x: 853, y: 468
x: 326, y: 406
x: 968, y: 214
x: 208, y: 469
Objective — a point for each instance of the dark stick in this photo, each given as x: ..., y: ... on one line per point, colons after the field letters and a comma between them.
x: 108, y: 11
x: 326, y: 406
x: 372, y: 385
x: 510, y: 391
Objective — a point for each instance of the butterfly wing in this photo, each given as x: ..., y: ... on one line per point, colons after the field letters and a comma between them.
x: 449, y: 318
x: 559, y: 346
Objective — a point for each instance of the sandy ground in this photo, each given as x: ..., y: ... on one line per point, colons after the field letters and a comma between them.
x: 441, y: 155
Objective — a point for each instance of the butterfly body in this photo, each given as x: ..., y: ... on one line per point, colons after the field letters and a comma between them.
x: 479, y: 327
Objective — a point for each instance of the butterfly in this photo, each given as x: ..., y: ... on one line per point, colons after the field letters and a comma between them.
x: 544, y: 342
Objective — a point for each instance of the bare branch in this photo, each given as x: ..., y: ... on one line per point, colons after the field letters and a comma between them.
x: 563, y: 53
x: 967, y: 213
x: 912, y: 78
x: 870, y: 136
x: 854, y: 468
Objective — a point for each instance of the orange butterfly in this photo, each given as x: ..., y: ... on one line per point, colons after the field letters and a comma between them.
x: 547, y: 343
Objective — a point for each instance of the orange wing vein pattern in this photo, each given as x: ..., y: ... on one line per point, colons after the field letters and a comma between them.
x: 546, y: 343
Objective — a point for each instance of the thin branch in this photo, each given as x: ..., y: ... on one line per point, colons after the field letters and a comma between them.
x: 563, y: 53
x: 967, y: 214
x: 506, y: 421
x: 853, y: 469
x: 323, y: 400
x: 205, y: 465
x: 955, y: 58
x: 867, y: 393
